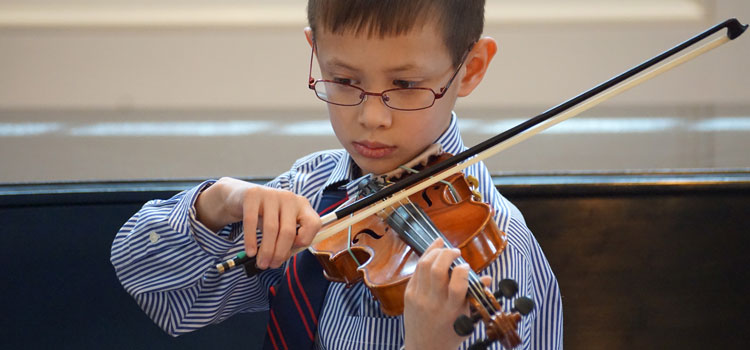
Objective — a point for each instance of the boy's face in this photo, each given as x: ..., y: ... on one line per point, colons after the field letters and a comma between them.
x: 377, y: 137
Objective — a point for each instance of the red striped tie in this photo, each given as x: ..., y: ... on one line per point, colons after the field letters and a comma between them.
x: 296, y: 301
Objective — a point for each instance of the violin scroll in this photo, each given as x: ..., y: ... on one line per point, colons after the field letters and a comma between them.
x: 501, y: 326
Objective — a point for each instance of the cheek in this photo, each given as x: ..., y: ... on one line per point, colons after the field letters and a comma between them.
x: 419, y: 131
x: 429, y: 126
x: 338, y: 123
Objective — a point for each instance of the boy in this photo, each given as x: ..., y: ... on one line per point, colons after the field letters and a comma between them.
x: 391, y: 73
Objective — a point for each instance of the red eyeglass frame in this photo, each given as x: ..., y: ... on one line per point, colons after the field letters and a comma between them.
x: 312, y: 81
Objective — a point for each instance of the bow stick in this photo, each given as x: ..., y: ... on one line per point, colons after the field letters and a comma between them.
x: 367, y: 206
x: 566, y: 110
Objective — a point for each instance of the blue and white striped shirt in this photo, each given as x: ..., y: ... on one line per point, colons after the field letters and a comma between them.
x: 183, y: 298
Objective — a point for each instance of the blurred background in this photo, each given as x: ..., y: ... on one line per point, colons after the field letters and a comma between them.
x: 648, y: 254
x: 118, y: 90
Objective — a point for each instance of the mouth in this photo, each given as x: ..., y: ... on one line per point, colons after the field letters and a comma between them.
x: 375, y: 150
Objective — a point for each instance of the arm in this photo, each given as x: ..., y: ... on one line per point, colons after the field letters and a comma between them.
x: 164, y: 257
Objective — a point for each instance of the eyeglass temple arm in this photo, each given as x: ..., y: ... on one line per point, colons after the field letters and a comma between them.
x: 444, y: 89
x: 310, y: 80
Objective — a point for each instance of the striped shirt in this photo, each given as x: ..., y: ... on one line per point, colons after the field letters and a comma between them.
x: 183, y: 298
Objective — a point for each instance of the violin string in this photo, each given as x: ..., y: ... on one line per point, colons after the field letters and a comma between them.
x: 476, y: 288
x: 425, y: 225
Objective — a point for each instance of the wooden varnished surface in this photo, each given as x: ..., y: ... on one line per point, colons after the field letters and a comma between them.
x: 648, y: 271
x: 644, y: 261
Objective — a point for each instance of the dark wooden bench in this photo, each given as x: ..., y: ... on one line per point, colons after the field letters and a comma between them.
x: 644, y: 260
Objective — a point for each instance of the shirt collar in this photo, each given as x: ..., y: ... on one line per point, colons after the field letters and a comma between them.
x: 342, y: 175
x: 451, y: 140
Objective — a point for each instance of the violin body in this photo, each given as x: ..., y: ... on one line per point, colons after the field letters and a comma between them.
x: 374, y: 252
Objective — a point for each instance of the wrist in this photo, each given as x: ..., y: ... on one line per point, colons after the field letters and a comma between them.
x: 209, y: 207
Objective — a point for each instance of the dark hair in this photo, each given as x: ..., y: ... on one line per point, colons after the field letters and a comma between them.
x: 461, y: 21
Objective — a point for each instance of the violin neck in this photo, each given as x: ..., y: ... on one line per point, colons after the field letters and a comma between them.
x: 416, y: 229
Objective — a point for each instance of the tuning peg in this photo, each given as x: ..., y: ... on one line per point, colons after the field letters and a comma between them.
x: 481, y: 345
x: 507, y: 288
x: 523, y: 305
x: 464, y: 325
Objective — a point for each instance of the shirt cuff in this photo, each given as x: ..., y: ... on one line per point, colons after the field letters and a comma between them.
x: 184, y: 219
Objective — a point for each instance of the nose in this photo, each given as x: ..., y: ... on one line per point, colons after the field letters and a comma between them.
x: 374, y: 113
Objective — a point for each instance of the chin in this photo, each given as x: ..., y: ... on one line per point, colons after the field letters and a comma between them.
x: 374, y: 166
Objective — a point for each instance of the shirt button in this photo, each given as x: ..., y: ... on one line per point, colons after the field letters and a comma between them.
x: 154, y: 237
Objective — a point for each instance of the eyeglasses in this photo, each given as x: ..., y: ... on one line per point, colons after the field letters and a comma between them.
x: 402, y: 99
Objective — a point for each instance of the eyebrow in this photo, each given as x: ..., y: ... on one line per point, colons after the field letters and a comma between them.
x: 402, y: 68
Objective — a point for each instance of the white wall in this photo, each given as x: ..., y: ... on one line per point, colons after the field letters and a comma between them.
x: 197, y: 61
x: 73, y: 63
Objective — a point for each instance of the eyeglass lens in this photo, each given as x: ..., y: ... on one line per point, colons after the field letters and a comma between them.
x: 348, y: 95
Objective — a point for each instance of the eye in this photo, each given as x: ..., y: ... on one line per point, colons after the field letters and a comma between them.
x: 344, y: 81
x: 404, y: 84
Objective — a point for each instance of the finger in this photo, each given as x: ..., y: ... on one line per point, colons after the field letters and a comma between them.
x: 310, y: 224
x: 287, y: 233
x: 486, y: 280
x: 437, y: 244
x: 250, y: 206
x: 422, y: 272
x: 458, y: 286
x: 440, y: 269
x: 270, y: 212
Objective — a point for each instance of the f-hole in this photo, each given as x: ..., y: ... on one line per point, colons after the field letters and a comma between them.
x: 426, y: 198
x: 368, y: 232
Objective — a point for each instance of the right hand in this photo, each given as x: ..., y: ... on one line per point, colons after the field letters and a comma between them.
x: 276, y: 212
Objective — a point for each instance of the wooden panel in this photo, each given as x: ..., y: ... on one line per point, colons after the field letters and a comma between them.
x: 647, y: 266
x: 662, y: 271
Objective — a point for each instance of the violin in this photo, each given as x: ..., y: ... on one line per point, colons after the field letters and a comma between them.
x: 413, y: 211
x: 382, y: 251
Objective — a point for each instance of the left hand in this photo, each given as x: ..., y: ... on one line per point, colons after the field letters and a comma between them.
x: 434, y: 298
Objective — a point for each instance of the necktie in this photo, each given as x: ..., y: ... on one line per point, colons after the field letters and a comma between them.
x: 296, y: 301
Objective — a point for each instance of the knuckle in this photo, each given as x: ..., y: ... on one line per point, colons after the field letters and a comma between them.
x: 424, y: 263
x: 286, y: 195
x: 287, y: 232
x: 313, y: 228
x: 305, y: 239
x: 456, y: 289
x: 270, y: 227
x: 302, y: 200
x: 252, y: 192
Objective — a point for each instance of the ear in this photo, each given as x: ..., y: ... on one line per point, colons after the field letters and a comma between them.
x: 309, y: 35
x: 476, y: 65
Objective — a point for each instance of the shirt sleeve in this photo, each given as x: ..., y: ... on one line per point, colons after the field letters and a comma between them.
x: 165, y: 258
x: 542, y: 328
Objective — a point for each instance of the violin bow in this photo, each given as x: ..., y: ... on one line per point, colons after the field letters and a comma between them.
x: 414, y: 183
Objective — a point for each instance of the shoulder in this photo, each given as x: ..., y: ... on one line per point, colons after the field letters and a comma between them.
x: 319, y: 165
x: 312, y: 171
x: 319, y: 161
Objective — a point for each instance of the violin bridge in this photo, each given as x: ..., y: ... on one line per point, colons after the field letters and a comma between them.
x: 474, y: 187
